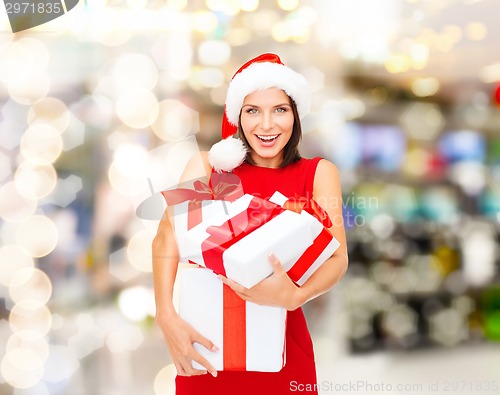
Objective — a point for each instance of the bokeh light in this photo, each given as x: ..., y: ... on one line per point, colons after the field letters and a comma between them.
x: 30, y: 341
x: 139, y: 250
x: 288, y: 5
x: 22, y: 368
x: 125, y: 338
x: 37, y: 235
x: 204, y: 21
x: 179, y: 155
x: 239, y: 36
x: 424, y: 87
x: 228, y: 7
x: 30, y: 316
x: 89, y: 337
x: 164, y: 383
x: 478, y: 246
x: 490, y: 73
x: 454, y: 32
x: 214, y: 53
x: 138, y: 108
x: 125, y: 184
x: 175, y: 121
x: 400, y: 321
x: 106, y: 33
x: 136, y: 303
x: 39, y: 388
x: 5, y: 167
x: 14, y: 259
x: 50, y: 110
x: 15, y: 207
x: 448, y: 327
x: 126, y: 172
x: 398, y: 63
x: 30, y: 87
x: 177, y: 5
x: 476, y: 31
x: 33, y: 181
x: 61, y: 364
x: 249, y: 5
x: 41, y: 144
x: 422, y: 121
x: 134, y: 71
x: 30, y: 285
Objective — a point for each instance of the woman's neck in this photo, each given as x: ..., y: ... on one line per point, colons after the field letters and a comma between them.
x: 272, y: 163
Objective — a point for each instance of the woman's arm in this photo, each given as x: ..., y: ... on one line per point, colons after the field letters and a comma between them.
x: 327, y: 193
x: 178, y: 334
x: 278, y: 289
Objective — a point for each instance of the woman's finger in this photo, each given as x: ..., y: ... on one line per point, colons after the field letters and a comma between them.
x: 243, y: 296
x: 233, y: 284
x: 275, y: 263
x: 179, y: 368
x: 208, y: 344
x: 203, y: 362
x: 196, y: 372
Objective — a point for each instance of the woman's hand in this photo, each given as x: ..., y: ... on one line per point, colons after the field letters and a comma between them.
x: 180, y: 336
x: 275, y: 290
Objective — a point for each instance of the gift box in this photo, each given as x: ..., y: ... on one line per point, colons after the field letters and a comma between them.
x: 237, y: 243
x: 202, y: 200
x: 249, y: 336
x: 324, y: 244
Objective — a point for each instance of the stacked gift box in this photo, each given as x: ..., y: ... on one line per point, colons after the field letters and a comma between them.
x: 234, y: 237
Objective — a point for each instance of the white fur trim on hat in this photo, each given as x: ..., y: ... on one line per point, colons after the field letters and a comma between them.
x: 227, y: 154
x: 264, y: 75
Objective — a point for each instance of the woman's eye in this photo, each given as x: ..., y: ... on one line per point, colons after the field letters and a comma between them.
x: 282, y: 109
x: 251, y: 111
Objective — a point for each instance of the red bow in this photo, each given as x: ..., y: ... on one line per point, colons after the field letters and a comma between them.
x: 223, y: 186
x: 258, y: 212
x: 220, y: 187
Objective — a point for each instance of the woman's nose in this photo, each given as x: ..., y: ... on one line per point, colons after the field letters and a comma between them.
x: 267, y: 121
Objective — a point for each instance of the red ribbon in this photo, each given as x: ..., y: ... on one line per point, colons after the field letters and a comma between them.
x: 299, y: 203
x: 310, y: 255
x: 223, y: 186
x: 234, y: 330
x: 258, y: 212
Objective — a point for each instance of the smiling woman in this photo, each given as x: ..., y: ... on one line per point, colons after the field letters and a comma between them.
x: 264, y: 105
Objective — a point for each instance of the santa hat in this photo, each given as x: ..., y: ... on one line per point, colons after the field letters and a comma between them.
x: 263, y: 72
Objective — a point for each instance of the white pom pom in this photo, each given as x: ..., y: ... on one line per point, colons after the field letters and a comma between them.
x: 227, y: 154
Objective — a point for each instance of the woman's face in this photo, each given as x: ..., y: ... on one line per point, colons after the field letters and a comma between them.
x: 267, y: 123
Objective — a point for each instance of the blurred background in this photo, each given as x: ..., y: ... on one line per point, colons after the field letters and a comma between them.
x: 103, y: 106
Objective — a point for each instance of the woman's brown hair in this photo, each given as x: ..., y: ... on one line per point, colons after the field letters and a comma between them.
x: 291, y: 150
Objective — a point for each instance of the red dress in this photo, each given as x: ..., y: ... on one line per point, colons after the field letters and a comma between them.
x: 300, y: 368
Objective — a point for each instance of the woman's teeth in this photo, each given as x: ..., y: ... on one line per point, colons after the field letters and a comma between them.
x: 267, y: 138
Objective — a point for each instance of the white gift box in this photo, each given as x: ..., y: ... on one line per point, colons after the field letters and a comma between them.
x: 189, y: 243
x: 290, y: 236
x: 323, y: 247
x: 201, y: 305
x: 287, y: 236
x: 208, y: 209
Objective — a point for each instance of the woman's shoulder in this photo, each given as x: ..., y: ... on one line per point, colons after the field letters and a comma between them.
x: 324, y: 164
x: 326, y: 172
x: 316, y: 164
